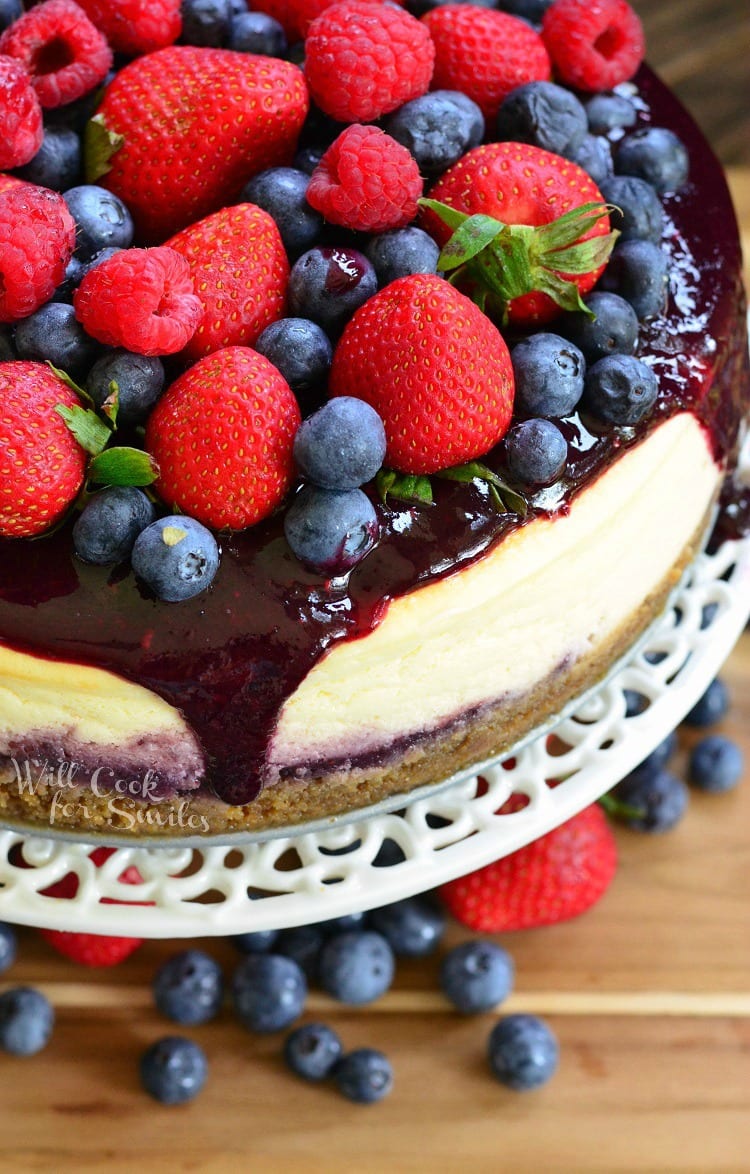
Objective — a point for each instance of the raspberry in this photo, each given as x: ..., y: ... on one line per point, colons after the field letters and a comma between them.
x: 304, y: 12
x: 135, y: 26
x: 37, y: 238
x: 65, y: 55
x: 594, y: 44
x: 363, y: 60
x: 140, y: 299
x: 20, y: 115
x: 366, y: 181
x: 484, y: 54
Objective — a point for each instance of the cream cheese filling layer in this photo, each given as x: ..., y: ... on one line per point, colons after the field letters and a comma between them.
x: 550, y: 593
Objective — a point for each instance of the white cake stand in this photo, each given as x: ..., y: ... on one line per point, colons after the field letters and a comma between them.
x: 332, y: 870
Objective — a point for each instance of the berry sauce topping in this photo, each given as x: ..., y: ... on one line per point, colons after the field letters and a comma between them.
x: 230, y: 657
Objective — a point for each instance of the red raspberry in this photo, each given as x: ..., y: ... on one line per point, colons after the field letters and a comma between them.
x: 140, y: 299
x: 484, y: 54
x: 37, y: 238
x: 304, y: 12
x: 594, y: 44
x: 366, y: 181
x: 363, y: 60
x: 136, y: 26
x: 20, y: 115
x: 283, y: 12
x: 65, y: 55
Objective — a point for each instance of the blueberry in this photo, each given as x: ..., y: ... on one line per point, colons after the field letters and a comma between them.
x: 594, y: 155
x: 549, y: 373
x: 544, y: 115
x: 635, y: 702
x: 75, y: 115
x: 414, y: 927
x: 189, y: 987
x: 637, y: 271
x: 75, y: 272
x: 308, y: 158
x: 53, y: 333
x: 639, y: 214
x: 402, y: 252
x: 7, y: 349
x: 111, y: 520
x: 716, y: 764
x: 613, y: 330
x: 176, y: 557
x: 656, y: 155
x: 312, y: 1051
x: 537, y: 452
x: 259, y: 942
x: 620, y: 389
x: 356, y: 967
x: 26, y: 1021
x: 529, y: 10
x: 476, y: 976
x: 10, y: 10
x: 139, y: 379
x: 658, y: 758
x: 300, y: 349
x: 173, y: 1070
x: 282, y: 193
x: 437, y: 128
x: 329, y: 284
x: 522, y: 1051
x: 269, y: 992
x: 57, y: 163
x: 303, y: 944
x: 205, y: 22
x: 343, y: 924
x: 607, y: 112
x: 331, y: 532
x: 8, y: 946
x: 255, y: 32
x: 364, y: 1076
x: 341, y: 446
x: 102, y: 220
x: 653, y: 803
x: 711, y: 708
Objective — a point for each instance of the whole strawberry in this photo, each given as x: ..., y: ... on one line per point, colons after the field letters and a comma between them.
x: 559, y: 239
x: 240, y: 270
x: 484, y: 54
x: 37, y: 238
x: 181, y: 130
x: 42, y: 466
x: 222, y: 437
x: 553, y: 879
x: 90, y: 949
x: 435, y: 369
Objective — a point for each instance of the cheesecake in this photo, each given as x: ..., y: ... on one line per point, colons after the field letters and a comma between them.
x: 278, y: 696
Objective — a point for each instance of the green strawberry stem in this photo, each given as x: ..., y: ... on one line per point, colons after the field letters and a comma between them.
x: 505, y: 261
x: 416, y: 489
x: 619, y: 810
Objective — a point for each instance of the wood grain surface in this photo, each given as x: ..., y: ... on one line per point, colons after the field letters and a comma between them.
x: 649, y: 993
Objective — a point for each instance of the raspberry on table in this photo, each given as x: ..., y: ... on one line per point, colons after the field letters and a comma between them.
x: 20, y: 115
x: 140, y: 299
x: 37, y: 238
x: 64, y: 53
x: 593, y: 46
x: 366, y: 181
x: 363, y: 60
x: 135, y: 26
x: 484, y: 54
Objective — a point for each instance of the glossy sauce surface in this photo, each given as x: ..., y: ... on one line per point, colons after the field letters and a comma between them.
x: 231, y: 657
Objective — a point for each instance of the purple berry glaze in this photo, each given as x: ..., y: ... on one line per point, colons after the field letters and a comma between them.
x: 230, y: 658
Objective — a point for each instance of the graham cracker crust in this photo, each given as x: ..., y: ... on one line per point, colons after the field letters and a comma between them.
x: 431, y: 758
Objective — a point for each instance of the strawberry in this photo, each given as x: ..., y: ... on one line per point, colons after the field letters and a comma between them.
x: 87, y: 948
x: 435, y: 369
x: 42, y: 466
x: 240, y: 270
x: 525, y: 230
x: 181, y: 130
x: 552, y: 879
x: 222, y: 437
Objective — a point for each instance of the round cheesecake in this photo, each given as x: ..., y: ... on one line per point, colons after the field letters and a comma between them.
x: 278, y: 697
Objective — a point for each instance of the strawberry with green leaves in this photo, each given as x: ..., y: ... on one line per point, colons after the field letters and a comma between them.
x: 181, y: 130
x: 524, y: 231
x: 435, y: 369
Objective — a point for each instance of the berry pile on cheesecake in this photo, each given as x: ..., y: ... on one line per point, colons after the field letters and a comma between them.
x: 357, y: 413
